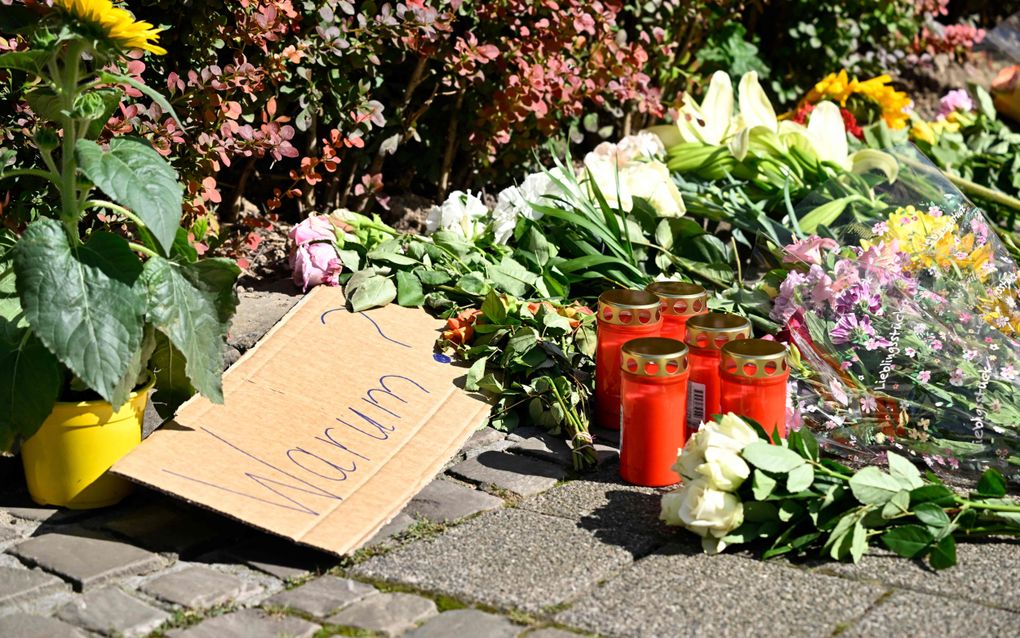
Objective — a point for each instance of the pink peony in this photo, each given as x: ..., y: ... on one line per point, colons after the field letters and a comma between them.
x: 315, y: 263
x: 315, y: 228
x: 809, y: 251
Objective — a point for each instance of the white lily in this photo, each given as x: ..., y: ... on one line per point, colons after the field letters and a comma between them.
x: 756, y: 124
x: 826, y: 132
x: 710, y: 121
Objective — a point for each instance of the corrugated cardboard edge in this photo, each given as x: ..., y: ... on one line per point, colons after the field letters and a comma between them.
x: 446, y: 452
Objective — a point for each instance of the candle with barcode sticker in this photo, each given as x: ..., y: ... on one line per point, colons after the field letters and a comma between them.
x: 754, y: 374
x: 653, y: 398
x: 706, y: 335
x: 679, y: 301
x: 623, y: 315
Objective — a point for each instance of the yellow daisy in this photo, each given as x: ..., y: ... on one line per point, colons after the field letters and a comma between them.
x: 113, y: 24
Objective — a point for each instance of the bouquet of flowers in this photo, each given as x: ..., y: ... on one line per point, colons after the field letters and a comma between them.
x: 739, y: 487
x: 905, y: 321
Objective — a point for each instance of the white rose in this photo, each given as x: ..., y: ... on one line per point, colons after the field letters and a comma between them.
x: 723, y: 469
x: 691, y: 456
x: 651, y: 181
x: 643, y: 145
x: 706, y: 511
x: 731, y: 433
x: 462, y: 213
x: 671, y: 507
x: 609, y: 178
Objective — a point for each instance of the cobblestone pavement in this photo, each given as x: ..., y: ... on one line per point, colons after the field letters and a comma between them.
x: 505, y: 542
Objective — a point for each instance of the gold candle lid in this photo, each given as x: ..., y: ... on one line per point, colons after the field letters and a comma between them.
x: 624, y: 307
x: 680, y: 298
x: 713, y: 330
x: 754, y: 358
x: 654, y: 357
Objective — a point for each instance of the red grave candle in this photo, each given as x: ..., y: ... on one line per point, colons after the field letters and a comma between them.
x: 623, y: 315
x: 754, y: 374
x: 653, y: 401
x: 679, y: 301
x: 706, y: 335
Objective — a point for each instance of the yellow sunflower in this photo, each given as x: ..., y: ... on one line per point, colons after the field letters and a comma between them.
x: 839, y: 88
x: 112, y: 23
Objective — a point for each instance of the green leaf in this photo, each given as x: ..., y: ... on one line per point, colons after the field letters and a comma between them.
x: 30, y: 380
x: 825, y: 214
x: 858, y: 542
x: 80, y: 305
x: 800, y: 478
x: 904, y: 471
x: 409, y: 290
x: 216, y: 277
x: 872, y: 486
x: 938, y: 494
x: 943, y: 555
x: 803, y: 442
x: 392, y: 258
x: 29, y: 61
x: 992, y: 483
x: 474, y: 284
x: 771, y: 458
x: 932, y: 515
x: 432, y: 277
x: 137, y: 177
x: 190, y: 318
x: 907, y: 540
x: 376, y: 291
x: 898, y: 504
x: 475, y: 374
x: 762, y: 485
x: 510, y: 277
x: 759, y: 512
x: 493, y: 309
x: 172, y: 385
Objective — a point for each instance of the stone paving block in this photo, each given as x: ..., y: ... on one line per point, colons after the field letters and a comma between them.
x: 29, y: 511
x: 28, y: 626
x: 550, y: 632
x: 444, y: 500
x: 323, y: 596
x: 111, y: 612
x: 389, y: 614
x: 986, y: 572
x: 600, y: 502
x: 249, y: 623
x: 167, y: 527
x: 482, y: 439
x: 21, y: 584
x: 400, y: 523
x: 539, y: 443
x: 467, y: 622
x: 518, y: 474
x: 921, y: 616
x: 277, y: 557
x: 681, y: 590
x: 259, y: 311
x: 85, y: 561
x: 510, y: 558
x: 197, y: 587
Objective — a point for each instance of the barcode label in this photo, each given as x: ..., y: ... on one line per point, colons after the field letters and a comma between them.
x: 695, y: 405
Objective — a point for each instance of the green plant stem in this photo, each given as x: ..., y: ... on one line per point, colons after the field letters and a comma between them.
x: 120, y: 210
x: 968, y: 186
x: 33, y: 172
x: 991, y: 507
x: 821, y: 469
x: 142, y: 249
x: 68, y: 190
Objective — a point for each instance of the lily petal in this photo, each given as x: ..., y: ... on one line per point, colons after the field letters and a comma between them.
x: 754, y: 104
x: 869, y: 159
x: 717, y: 108
x: 828, y: 134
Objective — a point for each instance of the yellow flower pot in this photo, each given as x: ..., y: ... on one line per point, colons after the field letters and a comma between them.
x: 66, y: 461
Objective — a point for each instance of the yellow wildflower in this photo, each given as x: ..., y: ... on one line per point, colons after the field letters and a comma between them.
x: 113, y: 24
x: 930, y: 132
x: 934, y: 241
x: 998, y: 313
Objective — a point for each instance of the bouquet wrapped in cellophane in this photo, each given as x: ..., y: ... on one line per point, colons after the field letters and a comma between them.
x: 904, y: 313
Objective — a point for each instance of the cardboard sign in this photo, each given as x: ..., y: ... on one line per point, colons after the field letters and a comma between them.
x: 330, y: 425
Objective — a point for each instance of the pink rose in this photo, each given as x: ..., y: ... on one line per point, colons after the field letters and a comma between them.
x: 315, y: 228
x: 809, y: 251
x: 315, y: 263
